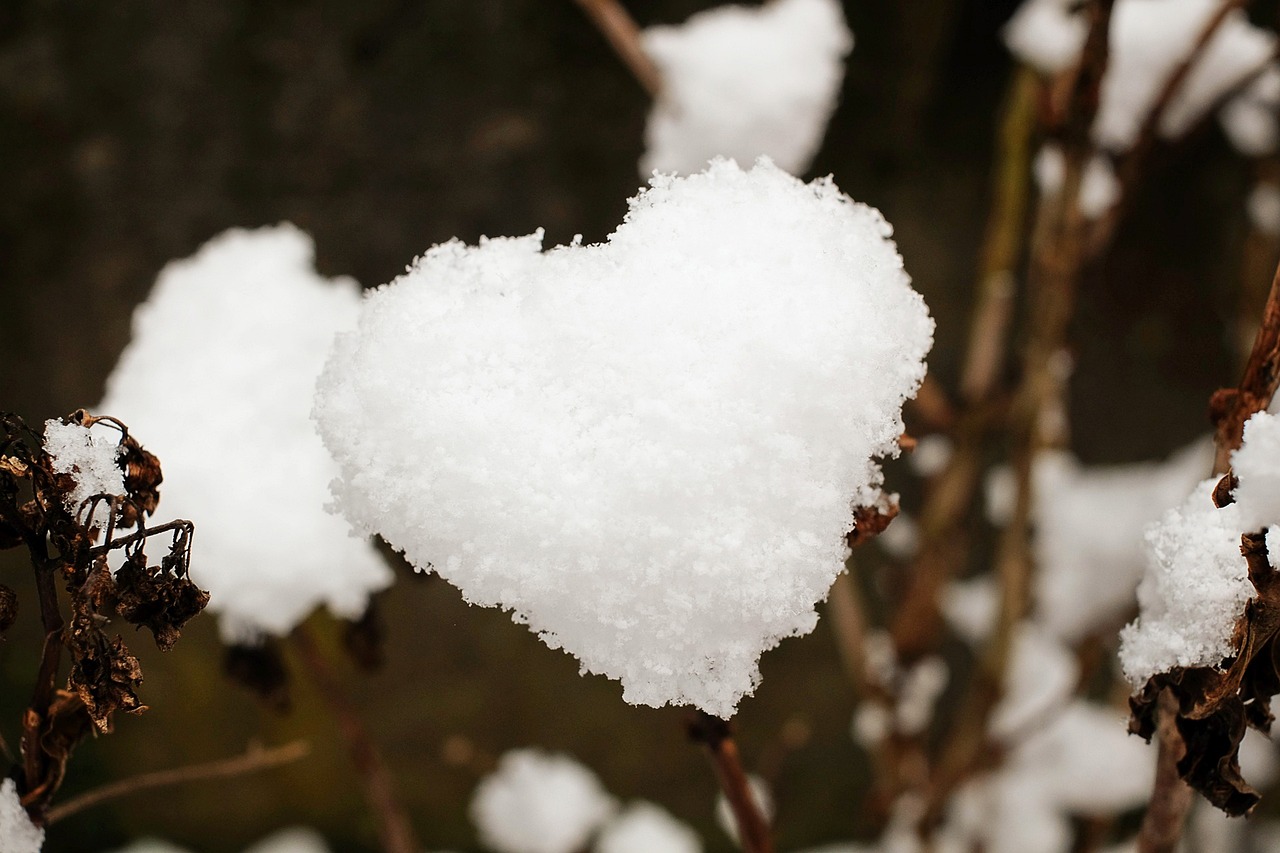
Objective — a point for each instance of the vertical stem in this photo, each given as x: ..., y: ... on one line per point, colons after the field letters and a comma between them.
x: 1171, y: 797
x: 617, y: 25
x: 395, y: 830
x: 716, y: 736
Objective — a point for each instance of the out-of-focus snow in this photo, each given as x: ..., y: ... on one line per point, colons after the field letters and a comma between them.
x: 17, y: 833
x: 218, y: 380
x: 643, y: 827
x: 743, y: 82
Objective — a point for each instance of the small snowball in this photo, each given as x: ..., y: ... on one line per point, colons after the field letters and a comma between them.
x: 646, y: 828
x: 218, y: 380
x: 971, y: 607
x: 918, y: 694
x: 646, y: 449
x: 759, y: 793
x: 743, y: 82
x: 1249, y: 119
x: 1046, y: 34
x: 295, y: 840
x: 17, y: 833
x: 872, y: 722
x: 931, y: 455
x: 1257, y: 465
x: 1099, y: 187
x: 91, y: 456
x: 901, y: 539
x: 1041, y: 676
x: 1088, y: 539
x: 1194, y: 590
x: 1000, y: 490
x: 1050, y: 169
x: 538, y: 802
x: 1263, y: 207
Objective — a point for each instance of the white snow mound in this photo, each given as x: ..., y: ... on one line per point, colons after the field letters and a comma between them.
x: 743, y: 82
x: 218, y: 382
x: 647, y: 449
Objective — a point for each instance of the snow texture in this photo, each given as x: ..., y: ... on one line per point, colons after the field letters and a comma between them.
x: 90, y: 456
x: 1089, y: 526
x: 646, y: 828
x: 218, y: 380
x: 743, y: 82
x: 17, y: 833
x: 647, y: 449
x: 1263, y: 208
x: 1149, y: 40
x: 1194, y: 590
x: 538, y: 802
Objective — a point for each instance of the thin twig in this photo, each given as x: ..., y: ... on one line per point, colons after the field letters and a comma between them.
x: 617, y: 25
x: 716, y: 736
x: 254, y: 759
x: 1231, y: 407
x: 394, y: 827
x: 1170, y: 797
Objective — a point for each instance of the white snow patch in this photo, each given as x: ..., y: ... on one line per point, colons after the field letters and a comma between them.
x: 90, y: 456
x: 742, y: 82
x: 17, y: 833
x: 1263, y: 208
x: 647, y: 449
x: 218, y: 380
x: 647, y: 828
x: 1257, y: 465
x: 538, y: 802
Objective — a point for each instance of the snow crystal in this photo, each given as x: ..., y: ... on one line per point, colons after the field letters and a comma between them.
x: 1089, y: 525
x: 218, y: 380
x: 760, y: 794
x: 89, y: 456
x: 17, y: 833
x: 1257, y: 465
x: 743, y: 82
x: 1194, y: 590
x: 1149, y: 39
x: 1263, y: 207
x: 646, y: 828
x: 647, y: 449
x: 538, y: 802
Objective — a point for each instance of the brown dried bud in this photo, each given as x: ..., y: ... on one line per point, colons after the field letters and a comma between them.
x: 142, y: 479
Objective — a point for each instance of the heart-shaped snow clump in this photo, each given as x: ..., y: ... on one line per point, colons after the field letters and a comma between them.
x: 647, y: 449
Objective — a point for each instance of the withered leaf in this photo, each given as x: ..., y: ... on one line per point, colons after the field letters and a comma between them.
x: 157, y: 598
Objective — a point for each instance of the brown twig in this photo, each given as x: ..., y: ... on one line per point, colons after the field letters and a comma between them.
x: 1170, y: 797
x: 716, y: 735
x: 394, y: 828
x: 1231, y: 407
x: 617, y: 25
x: 254, y: 759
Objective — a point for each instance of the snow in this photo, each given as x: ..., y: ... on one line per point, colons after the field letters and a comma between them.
x: 1149, y: 39
x: 1040, y: 678
x: 1088, y: 541
x: 17, y: 833
x: 646, y: 828
x: 90, y: 456
x: 646, y: 449
x: 931, y: 455
x: 971, y: 607
x: 539, y: 802
x: 743, y: 82
x: 901, y: 539
x: 294, y: 840
x: 921, y: 687
x: 1194, y: 590
x: 1099, y: 187
x: 1249, y: 119
x: 1257, y: 465
x: 760, y: 794
x: 218, y: 380
x: 1263, y: 208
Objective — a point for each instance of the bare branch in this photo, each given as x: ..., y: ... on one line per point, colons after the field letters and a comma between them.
x: 617, y: 25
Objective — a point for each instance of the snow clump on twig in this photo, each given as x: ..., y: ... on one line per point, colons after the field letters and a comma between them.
x: 743, y: 82
x: 647, y: 449
x: 91, y: 458
x: 538, y: 802
x: 219, y: 377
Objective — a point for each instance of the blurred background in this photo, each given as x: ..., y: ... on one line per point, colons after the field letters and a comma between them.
x: 132, y: 131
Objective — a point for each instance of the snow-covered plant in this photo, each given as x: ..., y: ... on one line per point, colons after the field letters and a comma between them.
x: 539, y: 802
x: 644, y: 827
x: 219, y: 375
x: 649, y: 449
x: 743, y: 82
x: 1149, y: 41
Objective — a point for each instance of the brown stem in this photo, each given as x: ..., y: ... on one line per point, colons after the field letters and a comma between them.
x: 1171, y: 797
x: 617, y: 25
x: 716, y: 735
x: 395, y: 829
x: 255, y: 758
x: 33, y: 755
x: 1231, y: 407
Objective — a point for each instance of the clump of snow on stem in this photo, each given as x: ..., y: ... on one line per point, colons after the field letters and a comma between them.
x: 1257, y: 466
x: 218, y: 379
x: 90, y: 456
x: 646, y: 828
x: 1089, y: 525
x: 743, y: 82
x: 538, y: 802
x: 17, y: 833
x: 1149, y: 41
x: 647, y: 449
x: 1194, y: 590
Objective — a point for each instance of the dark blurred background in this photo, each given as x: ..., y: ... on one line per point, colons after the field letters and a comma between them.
x: 131, y: 131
